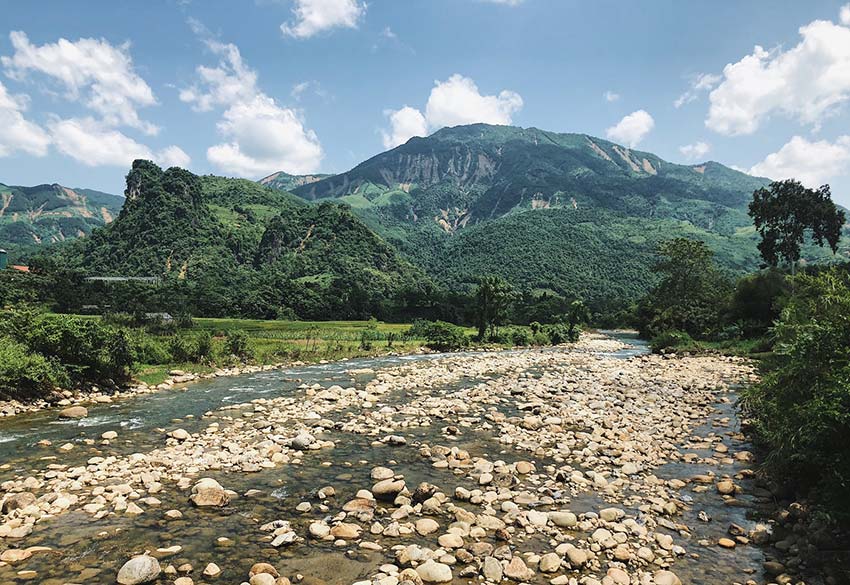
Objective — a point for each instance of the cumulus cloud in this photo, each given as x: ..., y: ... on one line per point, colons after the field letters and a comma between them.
x: 264, y: 138
x: 260, y: 136
x: 311, y: 17
x: 632, y: 128
x: 16, y: 132
x: 404, y: 124
x: 95, y: 144
x: 806, y: 83
x: 453, y: 102
x: 845, y: 15
x: 611, y: 96
x: 695, y: 151
x: 700, y: 83
x: 93, y: 71
x: 457, y: 101
x: 812, y: 163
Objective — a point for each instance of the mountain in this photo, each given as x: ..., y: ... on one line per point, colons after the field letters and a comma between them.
x: 466, y: 175
x: 286, y: 182
x: 44, y: 214
x: 569, y: 213
x: 241, y: 248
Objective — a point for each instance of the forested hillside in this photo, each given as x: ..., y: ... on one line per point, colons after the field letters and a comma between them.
x: 46, y: 214
x: 571, y: 213
x: 234, y: 247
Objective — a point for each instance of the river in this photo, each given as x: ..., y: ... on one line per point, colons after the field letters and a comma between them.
x: 88, y: 550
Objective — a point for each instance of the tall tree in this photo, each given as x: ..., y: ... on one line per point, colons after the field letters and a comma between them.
x: 785, y: 211
x: 689, y: 296
x: 579, y: 313
x: 493, y: 298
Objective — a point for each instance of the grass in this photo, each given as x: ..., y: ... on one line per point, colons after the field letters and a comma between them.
x: 275, y: 342
x: 749, y: 348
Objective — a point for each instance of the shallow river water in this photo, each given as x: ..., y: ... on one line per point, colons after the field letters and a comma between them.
x: 88, y: 551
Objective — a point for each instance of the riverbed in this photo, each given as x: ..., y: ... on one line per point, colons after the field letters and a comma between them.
x: 520, y: 458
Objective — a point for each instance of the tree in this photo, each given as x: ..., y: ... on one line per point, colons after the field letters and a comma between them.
x: 785, y: 211
x: 690, y: 295
x: 493, y: 298
x: 578, y: 314
x: 801, y: 408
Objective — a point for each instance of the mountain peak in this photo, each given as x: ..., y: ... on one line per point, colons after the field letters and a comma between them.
x: 283, y: 181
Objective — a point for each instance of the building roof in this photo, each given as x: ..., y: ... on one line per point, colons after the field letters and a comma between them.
x: 19, y: 268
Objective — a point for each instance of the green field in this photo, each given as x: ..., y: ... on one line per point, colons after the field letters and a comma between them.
x: 307, y: 341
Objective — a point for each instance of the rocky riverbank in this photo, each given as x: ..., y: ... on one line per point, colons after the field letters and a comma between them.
x: 538, y: 466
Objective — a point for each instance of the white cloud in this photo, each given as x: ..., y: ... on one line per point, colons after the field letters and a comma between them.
x: 453, y: 102
x: 92, y: 71
x: 231, y: 81
x: 404, y: 124
x: 611, y: 96
x: 457, y: 101
x: 16, y: 132
x: 264, y: 138
x: 94, y: 144
x: 695, y: 151
x: 260, y: 136
x: 173, y: 156
x: 632, y: 128
x: 845, y: 15
x: 807, y: 83
x: 701, y: 82
x: 314, y: 16
x: 505, y: 2
x: 812, y: 163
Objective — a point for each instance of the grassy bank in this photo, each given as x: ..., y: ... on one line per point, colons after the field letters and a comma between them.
x: 676, y: 342
x: 307, y: 341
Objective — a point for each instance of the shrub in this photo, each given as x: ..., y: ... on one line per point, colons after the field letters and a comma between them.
x: 420, y: 329
x: 541, y: 338
x: 801, y: 409
x: 204, y: 348
x: 150, y: 350
x: 670, y: 339
x: 519, y: 336
x: 559, y: 333
x: 89, y: 350
x: 26, y: 375
x: 442, y: 336
x: 182, y: 348
x: 237, y: 343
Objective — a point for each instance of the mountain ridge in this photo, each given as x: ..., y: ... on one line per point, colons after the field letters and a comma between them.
x: 51, y: 213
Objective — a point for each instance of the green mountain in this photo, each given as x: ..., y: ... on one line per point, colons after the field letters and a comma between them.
x: 45, y: 214
x: 570, y: 213
x: 286, y: 182
x: 236, y: 247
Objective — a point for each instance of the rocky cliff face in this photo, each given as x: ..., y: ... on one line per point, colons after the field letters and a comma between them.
x: 485, y: 172
x: 32, y: 216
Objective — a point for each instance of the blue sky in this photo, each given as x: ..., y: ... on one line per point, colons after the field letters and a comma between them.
x: 247, y: 88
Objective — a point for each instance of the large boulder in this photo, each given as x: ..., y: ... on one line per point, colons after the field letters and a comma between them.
x: 302, y: 441
x: 433, y: 572
x: 74, y: 412
x: 388, y: 489
x: 140, y: 569
x: 17, y: 501
x: 208, y: 493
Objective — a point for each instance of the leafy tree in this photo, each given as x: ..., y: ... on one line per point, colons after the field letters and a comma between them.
x: 801, y: 409
x: 758, y: 300
x: 691, y: 294
x: 493, y: 298
x: 442, y: 336
x: 577, y: 315
x: 785, y: 211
